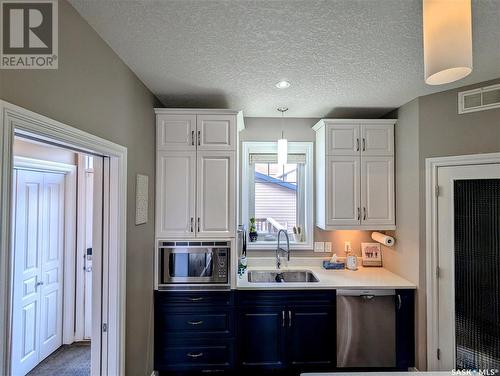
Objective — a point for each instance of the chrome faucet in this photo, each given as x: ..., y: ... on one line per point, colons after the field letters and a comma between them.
x: 278, y: 248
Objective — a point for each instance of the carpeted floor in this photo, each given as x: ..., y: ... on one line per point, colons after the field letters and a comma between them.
x: 68, y: 360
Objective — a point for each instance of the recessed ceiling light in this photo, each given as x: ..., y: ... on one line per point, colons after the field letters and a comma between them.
x: 283, y: 85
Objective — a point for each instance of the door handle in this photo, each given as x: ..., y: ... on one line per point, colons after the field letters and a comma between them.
x: 364, y: 213
x: 194, y: 323
x: 199, y: 138
x: 196, y: 299
x: 289, y: 319
x: 192, y: 138
x: 192, y: 224
x: 399, y: 303
x: 39, y: 283
x: 197, y: 355
x: 359, y: 213
x: 364, y: 144
x: 357, y: 144
x: 198, y: 224
x: 283, y: 319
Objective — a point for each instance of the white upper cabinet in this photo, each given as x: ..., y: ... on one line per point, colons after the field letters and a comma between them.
x: 216, y: 132
x: 377, y: 139
x: 175, y: 132
x: 342, y: 177
x: 355, y: 174
x: 342, y: 139
x: 196, y: 173
x: 216, y: 194
x: 377, y: 190
x: 175, y: 194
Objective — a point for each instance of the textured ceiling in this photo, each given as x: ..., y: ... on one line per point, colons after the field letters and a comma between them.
x: 339, y: 55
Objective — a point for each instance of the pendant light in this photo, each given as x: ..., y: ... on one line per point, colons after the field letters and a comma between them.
x: 447, y: 33
x: 282, y: 142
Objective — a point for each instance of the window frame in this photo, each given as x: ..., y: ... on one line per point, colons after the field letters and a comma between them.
x: 269, y: 147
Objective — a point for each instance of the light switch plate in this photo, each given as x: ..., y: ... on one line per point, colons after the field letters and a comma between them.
x: 319, y: 246
x: 328, y: 247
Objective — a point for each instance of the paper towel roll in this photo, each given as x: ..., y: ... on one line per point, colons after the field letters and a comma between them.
x: 383, y: 239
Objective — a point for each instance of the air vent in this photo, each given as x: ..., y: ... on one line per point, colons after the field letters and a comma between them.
x: 481, y: 99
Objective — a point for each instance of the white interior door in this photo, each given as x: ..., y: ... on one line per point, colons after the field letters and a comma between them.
x: 38, y: 263
x: 216, y: 190
x: 448, y: 177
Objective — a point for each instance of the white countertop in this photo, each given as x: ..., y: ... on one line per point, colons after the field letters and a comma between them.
x: 363, y: 278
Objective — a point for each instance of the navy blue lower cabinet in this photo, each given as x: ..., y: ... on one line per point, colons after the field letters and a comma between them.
x: 292, y: 331
x: 194, y: 332
x: 405, y: 329
x: 311, y: 337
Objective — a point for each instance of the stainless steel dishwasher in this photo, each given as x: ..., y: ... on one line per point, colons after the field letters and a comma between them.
x: 366, y: 328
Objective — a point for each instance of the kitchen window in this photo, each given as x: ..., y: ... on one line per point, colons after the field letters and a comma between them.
x: 277, y: 196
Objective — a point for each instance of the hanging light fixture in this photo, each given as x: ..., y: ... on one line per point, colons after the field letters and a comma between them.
x: 447, y: 40
x: 282, y: 142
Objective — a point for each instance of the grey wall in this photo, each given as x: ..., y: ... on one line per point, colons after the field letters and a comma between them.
x: 430, y: 126
x: 300, y: 129
x: 95, y: 91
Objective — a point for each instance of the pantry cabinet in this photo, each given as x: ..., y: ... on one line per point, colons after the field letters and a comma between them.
x: 196, y: 173
x: 355, y: 174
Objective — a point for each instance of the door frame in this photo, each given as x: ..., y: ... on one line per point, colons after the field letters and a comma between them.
x: 69, y: 254
x: 431, y: 194
x: 17, y: 120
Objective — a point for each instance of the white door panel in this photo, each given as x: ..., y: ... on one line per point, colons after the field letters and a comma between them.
x: 175, y: 132
x: 175, y: 194
x: 377, y: 139
x: 52, y: 261
x: 216, y: 132
x: 216, y: 190
x: 38, y: 245
x: 446, y: 254
x: 377, y: 190
x: 342, y: 139
x: 342, y: 184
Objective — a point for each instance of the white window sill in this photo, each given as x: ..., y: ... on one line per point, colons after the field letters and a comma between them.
x: 271, y: 246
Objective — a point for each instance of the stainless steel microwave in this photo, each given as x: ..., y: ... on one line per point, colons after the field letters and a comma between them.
x: 194, y: 262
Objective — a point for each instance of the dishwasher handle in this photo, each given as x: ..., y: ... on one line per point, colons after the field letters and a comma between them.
x: 366, y: 294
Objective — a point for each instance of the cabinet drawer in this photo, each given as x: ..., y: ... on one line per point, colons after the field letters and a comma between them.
x: 194, y: 355
x: 180, y: 324
x: 173, y: 299
x: 295, y: 298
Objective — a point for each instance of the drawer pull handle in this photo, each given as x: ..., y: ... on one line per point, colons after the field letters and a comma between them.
x: 197, y: 355
x: 196, y: 299
x: 195, y: 322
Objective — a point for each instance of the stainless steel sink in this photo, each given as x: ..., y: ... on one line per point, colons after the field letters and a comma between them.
x: 276, y: 276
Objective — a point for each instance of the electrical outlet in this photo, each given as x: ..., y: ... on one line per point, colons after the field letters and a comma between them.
x: 319, y: 246
x: 328, y: 247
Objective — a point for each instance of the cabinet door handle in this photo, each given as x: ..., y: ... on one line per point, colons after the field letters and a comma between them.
x: 283, y: 319
x: 359, y: 213
x: 357, y: 144
x: 194, y: 323
x: 192, y: 138
x: 197, y: 355
x: 196, y: 299
x: 364, y: 144
x: 364, y: 213
x: 199, y: 138
x: 289, y: 319
x: 192, y: 224
x: 399, y: 301
x: 198, y: 224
